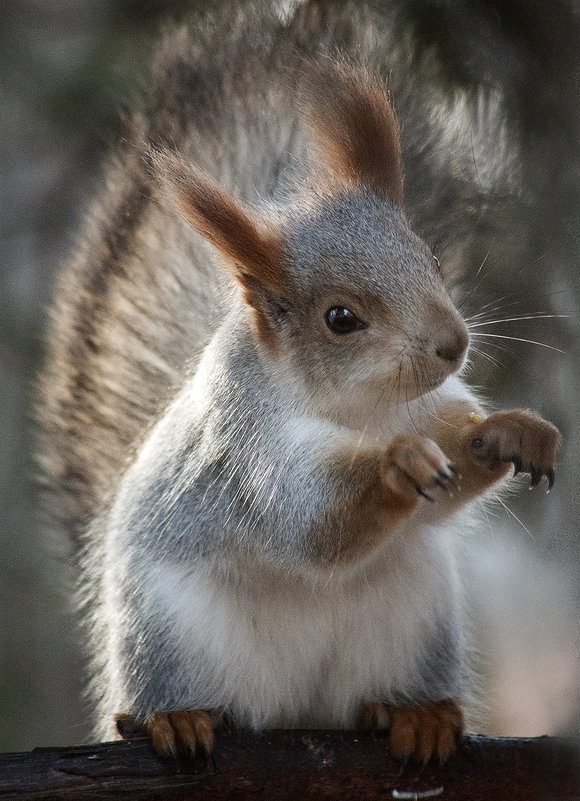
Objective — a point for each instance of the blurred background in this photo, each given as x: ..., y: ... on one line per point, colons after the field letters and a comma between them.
x: 66, y: 68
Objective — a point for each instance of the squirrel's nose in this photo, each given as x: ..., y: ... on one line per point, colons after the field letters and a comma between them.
x: 453, y: 345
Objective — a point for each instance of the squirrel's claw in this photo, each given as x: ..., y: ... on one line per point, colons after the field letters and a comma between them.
x: 535, y: 476
x: 426, y: 495
x: 538, y: 473
x: 180, y: 733
x: 418, y: 732
x: 415, y: 464
x: 520, y: 437
x: 518, y: 464
x: 448, y: 480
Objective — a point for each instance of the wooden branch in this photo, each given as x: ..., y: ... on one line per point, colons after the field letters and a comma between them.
x: 295, y: 766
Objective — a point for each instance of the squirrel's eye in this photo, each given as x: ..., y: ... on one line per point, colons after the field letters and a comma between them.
x: 343, y: 321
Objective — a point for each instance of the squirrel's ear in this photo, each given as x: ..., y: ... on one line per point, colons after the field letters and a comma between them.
x: 251, y: 247
x: 354, y: 127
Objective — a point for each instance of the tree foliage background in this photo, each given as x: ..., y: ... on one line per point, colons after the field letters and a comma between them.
x: 65, y: 70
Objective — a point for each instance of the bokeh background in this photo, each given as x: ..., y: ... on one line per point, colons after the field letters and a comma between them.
x: 66, y: 68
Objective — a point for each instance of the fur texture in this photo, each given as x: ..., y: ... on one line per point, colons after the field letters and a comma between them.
x: 143, y: 295
x: 253, y: 538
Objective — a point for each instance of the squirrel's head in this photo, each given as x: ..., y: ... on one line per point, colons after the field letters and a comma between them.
x: 340, y: 290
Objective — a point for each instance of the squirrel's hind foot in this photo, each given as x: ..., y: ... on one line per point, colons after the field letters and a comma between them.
x: 173, y: 734
x: 180, y: 733
x: 417, y: 731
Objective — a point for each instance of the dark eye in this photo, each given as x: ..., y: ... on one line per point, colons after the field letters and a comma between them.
x: 343, y: 321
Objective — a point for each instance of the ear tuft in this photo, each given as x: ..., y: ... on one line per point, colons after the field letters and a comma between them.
x: 354, y: 127
x: 251, y: 246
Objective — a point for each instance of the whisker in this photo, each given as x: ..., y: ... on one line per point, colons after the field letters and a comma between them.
x: 512, y: 353
x: 498, y: 301
x: 436, y: 416
x: 480, y: 268
x: 397, y: 383
x: 519, y: 296
x: 435, y: 398
x: 488, y: 357
x: 527, y: 266
x: 408, y: 404
x: 514, y: 515
x: 482, y: 279
x: 521, y: 339
x: 486, y: 511
x: 539, y: 316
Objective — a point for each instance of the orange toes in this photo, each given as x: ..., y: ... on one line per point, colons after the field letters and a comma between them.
x: 418, y: 731
x: 174, y: 733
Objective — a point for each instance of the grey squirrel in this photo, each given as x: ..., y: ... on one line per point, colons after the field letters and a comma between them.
x: 253, y: 421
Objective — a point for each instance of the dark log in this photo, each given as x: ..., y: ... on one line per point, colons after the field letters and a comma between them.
x: 295, y: 766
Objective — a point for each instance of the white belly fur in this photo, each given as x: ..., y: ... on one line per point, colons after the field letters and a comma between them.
x: 283, y: 652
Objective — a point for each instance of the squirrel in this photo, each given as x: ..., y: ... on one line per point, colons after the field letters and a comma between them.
x: 254, y: 425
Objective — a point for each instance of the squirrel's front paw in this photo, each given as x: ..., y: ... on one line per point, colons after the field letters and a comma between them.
x: 177, y: 733
x: 418, y: 731
x: 517, y: 436
x: 417, y: 465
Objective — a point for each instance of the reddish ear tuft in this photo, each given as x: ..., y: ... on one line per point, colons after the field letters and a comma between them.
x: 355, y: 127
x: 251, y: 246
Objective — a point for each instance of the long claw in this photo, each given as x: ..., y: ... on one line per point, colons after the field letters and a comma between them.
x: 517, y: 464
x: 536, y: 475
x: 453, y: 477
x: 422, y: 492
x: 550, y: 476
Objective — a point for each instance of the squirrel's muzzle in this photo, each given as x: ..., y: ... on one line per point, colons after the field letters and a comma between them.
x: 446, y: 333
x: 452, y: 346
